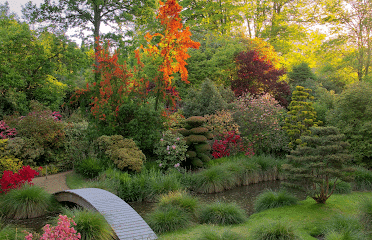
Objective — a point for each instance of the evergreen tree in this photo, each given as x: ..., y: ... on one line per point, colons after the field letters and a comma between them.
x: 301, y: 116
x: 319, y: 165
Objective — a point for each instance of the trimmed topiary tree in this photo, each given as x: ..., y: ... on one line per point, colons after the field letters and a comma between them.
x: 322, y: 161
x: 301, y: 116
x: 196, y: 137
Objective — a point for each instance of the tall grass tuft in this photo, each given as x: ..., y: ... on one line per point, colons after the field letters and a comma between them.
x: 91, y: 225
x: 10, y: 232
x: 345, y: 227
x: 362, y: 179
x: 271, y: 199
x: 226, y: 235
x: 168, y: 218
x: 275, y: 231
x: 26, y: 202
x: 366, y: 214
x: 179, y: 199
x: 269, y: 166
x: 214, y: 179
x: 222, y: 213
x: 89, y: 167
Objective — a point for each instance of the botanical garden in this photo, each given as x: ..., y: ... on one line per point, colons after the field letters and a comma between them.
x: 182, y: 105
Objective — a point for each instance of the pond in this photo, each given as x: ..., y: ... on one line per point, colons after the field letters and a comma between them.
x: 244, y: 196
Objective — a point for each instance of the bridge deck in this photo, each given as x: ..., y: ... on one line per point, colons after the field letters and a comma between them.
x: 124, y: 220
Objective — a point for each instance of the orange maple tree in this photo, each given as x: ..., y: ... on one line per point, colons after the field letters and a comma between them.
x: 172, y: 47
x: 117, y: 83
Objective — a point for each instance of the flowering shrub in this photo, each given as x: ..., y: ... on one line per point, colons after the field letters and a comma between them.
x: 11, y: 180
x: 231, y: 144
x: 6, y: 131
x: 260, y: 120
x: 63, y: 230
x: 221, y: 122
x: 7, y: 162
x: 171, y: 150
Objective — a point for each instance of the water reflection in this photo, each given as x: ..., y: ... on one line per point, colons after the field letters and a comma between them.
x: 244, y: 196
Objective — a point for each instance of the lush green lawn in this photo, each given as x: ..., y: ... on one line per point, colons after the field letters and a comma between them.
x: 306, y: 217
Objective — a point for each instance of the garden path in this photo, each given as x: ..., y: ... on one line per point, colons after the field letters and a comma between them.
x: 52, y: 183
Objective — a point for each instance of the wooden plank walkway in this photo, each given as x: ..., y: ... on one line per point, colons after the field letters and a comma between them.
x: 124, y: 220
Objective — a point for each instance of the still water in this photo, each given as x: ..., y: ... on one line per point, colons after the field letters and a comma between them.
x: 244, y: 196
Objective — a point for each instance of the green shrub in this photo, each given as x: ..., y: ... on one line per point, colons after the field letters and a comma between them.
x: 214, y: 179
x: 362, y: 179
x: 168, y: 218
x: 180, y: 199
x: 123, y: 152
x: 271, y: 199
x: 275, y: 231
x: 214, y: 235
x: 91, y: 225
x: 26, y: 202
x: 353, y: 116
x: 206, y: 101
x: 170, y: 150
x: 89, y: 167
x: 366, y: 214
x: 44, y: 132
x: 10, y: 232
x: 341, y: 187
x: 346, y: 227
x: 76, y: 145
x: 141, y: 123
x: 222, y: 213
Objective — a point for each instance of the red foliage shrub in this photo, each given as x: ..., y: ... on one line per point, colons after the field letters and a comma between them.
x: 12, y: 180
x: 230, y: 144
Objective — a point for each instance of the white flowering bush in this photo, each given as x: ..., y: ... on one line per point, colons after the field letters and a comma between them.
x: 170, y: 150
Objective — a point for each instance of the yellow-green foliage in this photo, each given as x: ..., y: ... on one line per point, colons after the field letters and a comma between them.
x: 222, y: 122
x: 8, y: 162
x: 123, y: 152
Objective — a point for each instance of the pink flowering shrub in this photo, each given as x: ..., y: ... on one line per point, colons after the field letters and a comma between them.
x: 11, y: 180
x: 5, y: 131
x: 260, y: 119
x: 63, y: 230
x: 231, y: 144
x: 170, y: 150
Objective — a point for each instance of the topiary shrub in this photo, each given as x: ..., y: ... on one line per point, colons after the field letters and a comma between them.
x: 89, y: 167
x: 322, y: 161
x: 271, y: 199
x: 196, y: 137
x: 301, y: 116
x: 222, y: 213
x: 123, y: 152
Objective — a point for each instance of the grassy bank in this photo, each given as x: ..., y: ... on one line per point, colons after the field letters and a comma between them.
x: 307, y: 218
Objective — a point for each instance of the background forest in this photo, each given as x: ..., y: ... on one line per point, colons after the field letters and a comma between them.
x: 234, y: 63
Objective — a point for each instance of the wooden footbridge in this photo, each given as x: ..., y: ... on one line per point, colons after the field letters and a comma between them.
x: 124, y: 220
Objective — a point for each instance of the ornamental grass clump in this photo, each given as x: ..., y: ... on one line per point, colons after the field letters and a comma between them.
x: 275, y: 231
x: 271, y: 199
x: 222, y: 213
x: 89, y: 167
x: 91, y: 225
x: 362, y: 179
x: 26, y: 202
x: 344, y: 227
x: 180, y: 199
x: 214, y: 179
x: 366, y: 214
x: 168, y: 218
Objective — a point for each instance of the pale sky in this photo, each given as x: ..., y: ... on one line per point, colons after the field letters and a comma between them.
x: 16, y: 5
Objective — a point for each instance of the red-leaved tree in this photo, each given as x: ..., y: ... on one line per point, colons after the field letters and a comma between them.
x: 257, y: 75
